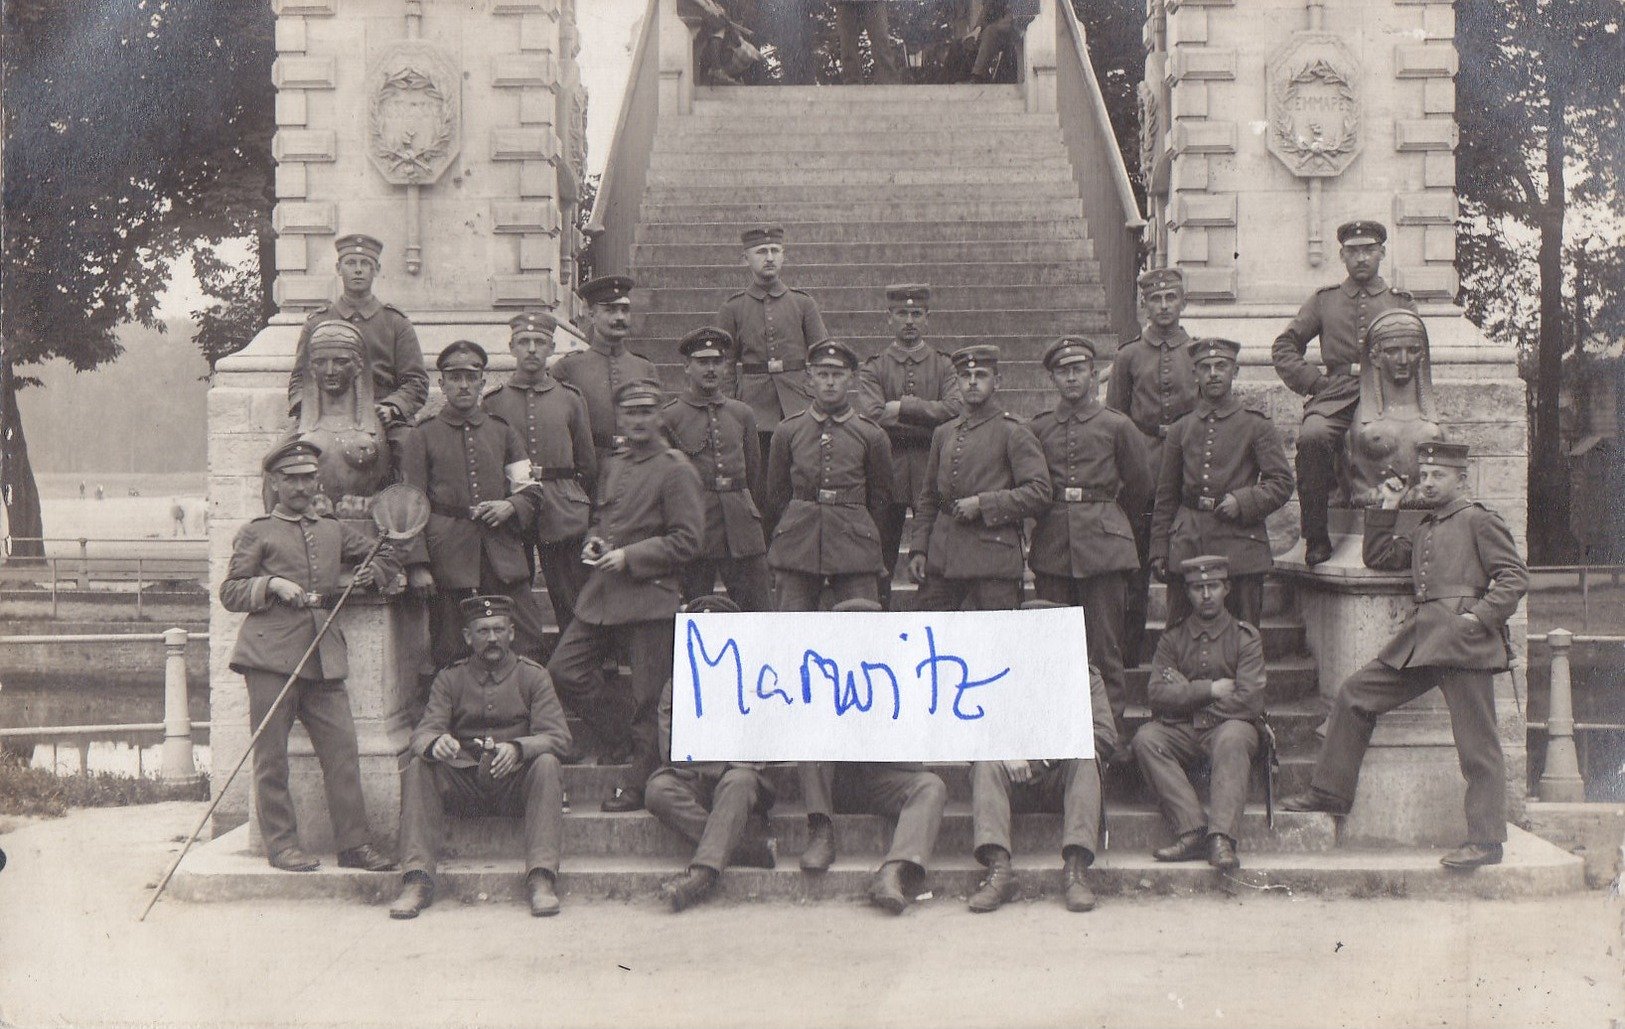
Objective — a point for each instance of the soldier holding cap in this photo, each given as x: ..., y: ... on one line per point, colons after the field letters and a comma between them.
x: 1467, y: 579
x: 1083, y: 550
x: 646, y: 525
x: 773, y: 325
x: 284, y: 571
x: 828, y: 484
x: 1206, y: 692
x: 1339, y: 315
x: 1152, y: 381
x: 908, y: 389
x: 474, y: 468
x: 718, y: 434
x: 400, y: 384
x: 606, y: 364
x: 1223, y: 471
x: 985, y: 475
x: 489, y: 742
x: 551, y: 418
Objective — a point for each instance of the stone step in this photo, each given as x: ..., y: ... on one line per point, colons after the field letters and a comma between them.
x: 893, y: 254
x: 768, y: 127
x: 940, y: 274
x: 877, y: 94
x: 1006, y: 154
x: 857, y: 140
x: 858, y: 186
x: 704, y: 236
x: 744, y: 212
x: 1027, y: 176
x: 846, y: 323
x: 965, y: 298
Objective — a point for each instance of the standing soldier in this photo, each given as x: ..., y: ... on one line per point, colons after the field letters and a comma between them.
x: 1223, y: 471
x: 551, y: 419
x: 473, y: 467
x: 1083, y: 550
x: 984, y: 476
x: 284, y: 570
x: 909, y: 389
x: 394, y: 356
x: 646, y: 526
x: 718, y: 434
x: 1467, y: 580
x: 1207, y: 693
x: 773, y: 325
x: 1339, y: 315
x: 606, y: 365
x: 1152, y: 382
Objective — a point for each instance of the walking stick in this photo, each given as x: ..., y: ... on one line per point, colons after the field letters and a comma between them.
x: 400, y: 512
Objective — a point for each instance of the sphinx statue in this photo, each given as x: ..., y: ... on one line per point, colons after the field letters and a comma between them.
x: 1396, y: 408
x: 336, y: 413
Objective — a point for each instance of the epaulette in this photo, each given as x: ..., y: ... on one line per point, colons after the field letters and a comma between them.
x: 1405, y: 293
x: 530, y: 661
x: 1040, y: 415
x: 1328, y: 289
x: 799, y: 414
x: 493, y: 391
x: 459, y: 662
x: 320, y: 311
x: 798, y: 289
x: 572, y: 387
x: 867, y: 420
x: 735, y: 296
x: 1257, y: 409
x: 261, y: 518
x: 1249, y: 629
x: 496, y: 417
x: 1011, y: 417
x: 669, y: 403
x: 392, y: 307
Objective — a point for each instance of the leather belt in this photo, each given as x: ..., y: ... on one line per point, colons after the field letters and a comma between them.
x: 1155, y: 432
x: 1201, y: 503
x: 1084, y: 494
x: 1423, y: 594
x: 901, y: 442
x: 552, y: 474
x: 773, y: 367
x: 851, y: 495
x: 1343, y: 369
x: 449, y: 511
x: 725, y: 484
x: 320, y: 599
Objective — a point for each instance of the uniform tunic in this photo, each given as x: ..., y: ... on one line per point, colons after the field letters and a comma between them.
x: 774, y: 325
x: 597, y: 372
x: 922, y: 380
x: 552, y: 422
x: 394, y: 355
x: 828, y: 480
x: 1339, y: 315
x: 1153, y: 381
x: 718, y: 436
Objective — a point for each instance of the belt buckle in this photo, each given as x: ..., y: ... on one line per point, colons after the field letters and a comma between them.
x: 774, y: 365
x: 1206, y: 504
x: 826, y: 496
x: 618, y: 440
x: 725, y: 482
x: 1162, y: 432
x: 1421, y: 594
x: 1072, y: 494
x: 313, y: 599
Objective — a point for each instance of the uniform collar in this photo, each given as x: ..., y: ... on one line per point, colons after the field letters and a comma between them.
x: 1083, y: 410
x: 500, y: 672
x: 449, y: 415
x: 638, y: 455
x: 541, y: 385
x: 692, y: 398
x: 987, y: 414
x: 1196, y: 628
x: 838, y: 417
x: 1375, y: 287
x: 1439, y: 514
x: 1230, y: 406
x: 348, y: 308
x: 912, y: 356
x: 1176, y: 337
x: 761, y: 292
x: 297, y: 519
x: 599, y: 346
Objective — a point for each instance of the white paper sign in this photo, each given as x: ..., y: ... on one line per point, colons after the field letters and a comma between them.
x: 871, y: 686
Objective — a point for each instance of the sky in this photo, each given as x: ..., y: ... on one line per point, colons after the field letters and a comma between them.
x: 606, y: 58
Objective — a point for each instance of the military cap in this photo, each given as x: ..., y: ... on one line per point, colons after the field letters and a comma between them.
x: 711, y: 603
x: 756, y: 235
x: 462, y: 346
x: 858, y: 604
x: 900, y: 294
x: 707, y: 341
x: 336, y: 334
x: 359, y: 243
x: 1437, y: 451
x: 1205, y: 568
x: 638, y: 393
x: 832, y: 352
x: 1395, y: 323
x: 1069, y: 350
x: 1212, y: 346
x: 977, y: 355
x: 474, y: 608
x: 1360, y: 232
x: 532, y: 323
x: 296, y: 455
x: 1161, y: 278
x: 606, y: 289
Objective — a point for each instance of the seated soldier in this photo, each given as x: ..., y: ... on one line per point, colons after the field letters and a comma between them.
x: 1207, y: 693
x: 488, y: 743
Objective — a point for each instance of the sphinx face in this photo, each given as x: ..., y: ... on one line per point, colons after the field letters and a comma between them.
x: 335, y: 374
x: 1398, y: 358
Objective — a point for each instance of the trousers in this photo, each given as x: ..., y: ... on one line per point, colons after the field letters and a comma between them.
x: 1318, y: 443
x: 1103, y: 598
x: 562, y: 570
x: 890, y: 525
x: 446, y: 619
x: 711, y: 811
x: 799, y: 591
x: 1164, y: 752
x: 747, y: 579
x: 323, y: 708
x: 619, y: 711
x: 429, y: 788
x: 1070, y: 787
x: 943, y: 594
x: 911, y: 795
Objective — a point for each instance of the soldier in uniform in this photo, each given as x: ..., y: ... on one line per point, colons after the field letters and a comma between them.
x: 829, y: 475
x: 474, y: 469
x: 1070, y: 787
x: 1207, y: 693
x: 909, y: 389
x: 718, y: 434
x: 1223, y: 471
x: 606, y: 365
x: 646, y: 526
x: 1467, y: 580
x: 1083, y: 550
x: 773, y: 325
x: 1339, y: 315
x: 284, y: 571
x: 1152, y: 382
x: 551, y: 418
x: 489, y: 742
x: 985, y: 474
x: 400, y: 383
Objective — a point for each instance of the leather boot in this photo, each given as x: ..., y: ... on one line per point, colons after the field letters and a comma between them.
x: 757, y: 848
x: 1190, y: 846
x: 294, y: 860
x: 417, y: 894
x: 368, y: 857
x: 1221, y: 852
x: 622, y: 801
x: 999, y: 887
x: 690, y: 888
x: 1075, y: 889
x: 820, y: 852
x: 886, y: 888
x: 1315, y: 800
x: 1472, y: 855
x: 543, y: 900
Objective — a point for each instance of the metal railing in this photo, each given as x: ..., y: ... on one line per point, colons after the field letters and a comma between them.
x: 1561, y: 780
x: 83, y: 568
x: 1583, y: 575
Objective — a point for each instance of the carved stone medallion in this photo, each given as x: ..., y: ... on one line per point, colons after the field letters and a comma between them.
x: 1314, y: 105
x: 414, y: 112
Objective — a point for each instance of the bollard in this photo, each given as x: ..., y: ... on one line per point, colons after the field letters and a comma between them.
x: 178, y: 763
x: 84, y: 563
x: 1561, y: 781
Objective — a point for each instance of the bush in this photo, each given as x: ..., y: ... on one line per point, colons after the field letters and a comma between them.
x: 35, y: 791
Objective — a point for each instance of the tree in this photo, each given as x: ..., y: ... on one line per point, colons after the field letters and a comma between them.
x: 137, y: 133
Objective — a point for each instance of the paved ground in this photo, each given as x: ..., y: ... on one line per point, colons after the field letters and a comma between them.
x: 72, y: 953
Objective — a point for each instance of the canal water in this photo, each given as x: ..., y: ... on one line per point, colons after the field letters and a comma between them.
x: 65, y: 702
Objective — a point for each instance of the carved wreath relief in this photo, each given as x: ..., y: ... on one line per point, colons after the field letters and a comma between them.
x: 414, y: 113
x: 1314, y: 106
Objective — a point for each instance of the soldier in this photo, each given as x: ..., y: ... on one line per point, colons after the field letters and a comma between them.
x: 1339, y: 315
x: 551, y: 418
x: 1468, y: 579
x: 474, y: 469
x: 773, y: 325
x: 646, y: 526
x: 400, y: 383
x: 1152, y: 381
x: 1083, y: 549
x: 489, y: 742
x: 284, y: 570
x: 909, y: 389
x: 1207, y: 693
x: 984, y: 475
x: 828, y: 484
x: 606, y: 365
x: 719, y: 436
x: 1223, y: 471
x: 1070, y: 787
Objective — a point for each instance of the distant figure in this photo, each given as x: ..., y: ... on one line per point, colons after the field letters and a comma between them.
x: 177, y: 514
x: 132, y: 491
x: 101, y: 494
x: 81, y: 489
